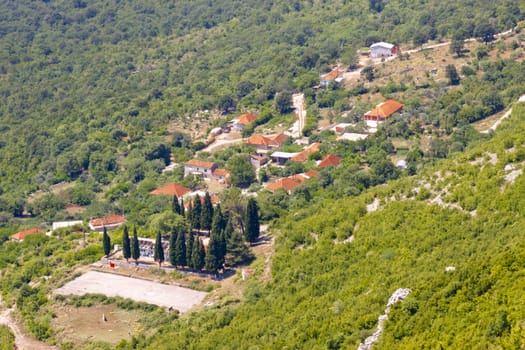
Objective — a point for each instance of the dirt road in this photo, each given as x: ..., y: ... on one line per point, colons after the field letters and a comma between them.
x: 300, y: 111
x: 22, y: 341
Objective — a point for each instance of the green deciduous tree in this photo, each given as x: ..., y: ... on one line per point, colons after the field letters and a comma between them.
x: 126, y: 246
x: 283, y: 102
x: 241, y: 170
x: 452, y: 75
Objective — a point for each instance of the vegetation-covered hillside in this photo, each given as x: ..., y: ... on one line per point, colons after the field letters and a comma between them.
x: 85, y: 85
x: 464, y: 215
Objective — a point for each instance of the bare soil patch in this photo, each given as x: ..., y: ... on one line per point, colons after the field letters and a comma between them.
x: 179, y: 298
x: 86, y: 324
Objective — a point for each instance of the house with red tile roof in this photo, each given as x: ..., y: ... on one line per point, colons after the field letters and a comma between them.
x: 221, y: 175
x: 291, y: 182
x: 257, y: 160
x: 243, y: 120
x: 334, y: 75
x: 110, y: 222
x: 330, y: 160
x: 264, y: 143
x: 171, y: 189
x: 383, y: 111
x: 303, y: 156
x: 200, y: 168
x: 21, y: 235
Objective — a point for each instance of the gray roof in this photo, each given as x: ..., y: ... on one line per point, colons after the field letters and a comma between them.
x: 283, y: 154
x: 382, y: 44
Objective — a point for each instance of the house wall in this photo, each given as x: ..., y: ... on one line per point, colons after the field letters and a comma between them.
x: 206, y: 172
x: 380, y: 52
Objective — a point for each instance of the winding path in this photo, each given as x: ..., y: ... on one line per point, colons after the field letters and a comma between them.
x: 22, y: 341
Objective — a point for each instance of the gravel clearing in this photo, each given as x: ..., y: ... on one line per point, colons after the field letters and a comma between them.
x: 111, y: 285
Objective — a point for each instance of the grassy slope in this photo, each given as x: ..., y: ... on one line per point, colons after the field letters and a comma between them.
x: 326, y: 295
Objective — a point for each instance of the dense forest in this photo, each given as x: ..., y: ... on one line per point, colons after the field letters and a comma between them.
x: 103, y: 95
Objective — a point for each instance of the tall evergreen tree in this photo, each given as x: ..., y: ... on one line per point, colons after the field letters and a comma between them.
x: 198, y: 255
x: 106, y: 242
x: 135, y: 249
x: 213, y: 254
x: 196, y: 213
x: 182, y: 209
x: 206, y: 212
x: 173, y: 249
x: 180, y: 249
x: 158, y: 252
x: 189, y: 213
x: 238, y: 252
x: 218, y: 223
x: 222, y: 248
x: 189, y: 247
x: 252, y: 221
x: 126, y: 248
x: 176, y: 205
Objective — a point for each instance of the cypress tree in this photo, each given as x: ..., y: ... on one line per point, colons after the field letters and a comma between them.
x: 189, y: 247
x: 173, y: 254
x: 182, y: 209
x: 206, y: 212
x: 218, y: 223
x: 189, y: 213
x: 252, y: 221
x: 222, y: 248
x: 198, y: 255
x: 158, y: 252
x: 180, y: 249
x: 135, y: 249
x: 106, y: 242
x: 126, y: 248
x: 213, y: 258
x: 176, y: 205
x: 238, y: 252
x: 196, y: 213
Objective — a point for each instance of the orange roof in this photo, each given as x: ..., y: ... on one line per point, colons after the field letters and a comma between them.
x: 110, y: 219
x: 258, y: 140
x: 303, y: 156
x: 171, y: 189
x: 385, y: 109
x: 221, y: 172
x: 279, y: 140
x: 19, y: 236
x: 331, y: 75
x: 312, y: 173
x: 200, y: 164
x: 246, y: 119
x: 329, y: 160
x: 291, y: 182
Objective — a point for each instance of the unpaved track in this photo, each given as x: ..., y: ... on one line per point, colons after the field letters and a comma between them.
x: 22, y: 341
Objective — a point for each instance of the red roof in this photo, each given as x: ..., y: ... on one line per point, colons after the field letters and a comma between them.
x: 331, y: 75
x: 19, y: 236
x: 385, y: 109
x: 279, y: 140
x: 329, y: 160
x: 221, y: 172
x: 246, y: 119
x: 171, y: 189
x: 200, y: 164
x: 111, y: 219
x: 258, y: 140
x: 303, y: 156
x: 312, y: 173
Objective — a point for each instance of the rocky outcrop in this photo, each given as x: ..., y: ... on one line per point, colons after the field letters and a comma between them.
x: 398, y: 295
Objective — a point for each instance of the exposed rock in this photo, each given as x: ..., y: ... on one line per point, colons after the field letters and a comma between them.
x: 398, y: 295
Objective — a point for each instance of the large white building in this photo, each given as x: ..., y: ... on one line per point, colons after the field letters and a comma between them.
x: 382, y: 49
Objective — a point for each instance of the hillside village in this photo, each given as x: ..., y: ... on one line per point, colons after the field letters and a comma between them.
x: 223, y: 185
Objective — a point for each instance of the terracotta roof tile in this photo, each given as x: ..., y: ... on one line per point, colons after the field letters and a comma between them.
x: 246, y: 119
x: 287, y: 183
x: 331, y: 75
x: 171, y: 189
x: 329, y: 160
x: 200, y: 164
x: 279, y: 140
x: 312, y: 173
x: 303, y: 156
x: 258, y: 140
x: 19, y: 236
x: 385, y: 109
x: 110, y: 219
x: 221, y: 172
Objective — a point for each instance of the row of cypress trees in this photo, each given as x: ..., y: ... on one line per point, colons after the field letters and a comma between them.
x: 188, y: 250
